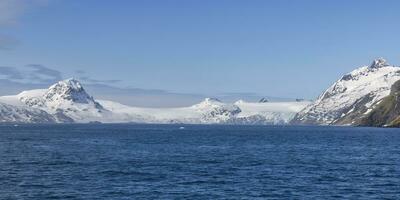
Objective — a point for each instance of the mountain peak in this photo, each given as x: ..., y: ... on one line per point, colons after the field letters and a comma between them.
x: 71, y: 83
x: 212, y: 100
x: 69, y: 89
x: 378, y: 63
x: 263, y: 100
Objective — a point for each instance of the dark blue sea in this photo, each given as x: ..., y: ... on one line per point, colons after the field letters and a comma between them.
x: 198, y: 162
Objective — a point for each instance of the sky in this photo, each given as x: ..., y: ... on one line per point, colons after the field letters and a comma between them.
x: 277, y: 48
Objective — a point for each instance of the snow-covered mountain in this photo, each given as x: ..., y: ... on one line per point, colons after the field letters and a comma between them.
x: 67, y: 101
x: 352, y: 96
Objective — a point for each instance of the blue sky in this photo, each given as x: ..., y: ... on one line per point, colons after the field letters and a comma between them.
x: 275, y: 48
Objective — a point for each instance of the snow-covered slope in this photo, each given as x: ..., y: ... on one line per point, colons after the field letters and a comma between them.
x: 18, y: 114
x: 352, y: 96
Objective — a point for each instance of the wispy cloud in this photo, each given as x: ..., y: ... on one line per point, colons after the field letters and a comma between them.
x: 33, y: 73
x: 81, y: 75
x: 40, y: 74
x: 97, y: 81
x: 43, y: 74
x: 11, y: 73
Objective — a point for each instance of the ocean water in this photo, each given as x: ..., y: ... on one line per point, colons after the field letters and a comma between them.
x: 198, y: 162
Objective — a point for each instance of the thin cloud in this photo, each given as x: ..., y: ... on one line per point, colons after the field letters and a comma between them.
x: 11, y: 73
x: 97, y: 81
x: 43, y: 74
x: 83, y: 77
x: 30, y: 74
x: 40, y: 74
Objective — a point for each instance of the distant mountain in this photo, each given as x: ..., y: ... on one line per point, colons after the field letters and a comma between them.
x: 215, y: 111
x: 68, y: 102
x: 352, y: 96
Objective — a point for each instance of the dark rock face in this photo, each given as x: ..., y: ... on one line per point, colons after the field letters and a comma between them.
x: 352, y: 114
x: 378, y: 63
x: 386, y: 112
x: 263, y: 100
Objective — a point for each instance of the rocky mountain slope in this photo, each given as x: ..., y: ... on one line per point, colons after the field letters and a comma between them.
x: 352, y: 96
x: 386, y: 112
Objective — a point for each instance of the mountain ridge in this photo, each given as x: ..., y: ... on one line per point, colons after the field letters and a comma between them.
x: 68, y: 102
x: 352, y: 96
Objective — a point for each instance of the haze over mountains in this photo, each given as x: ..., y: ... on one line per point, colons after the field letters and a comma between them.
x: 67, y: 102
x: 365, y: 96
